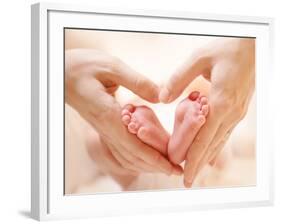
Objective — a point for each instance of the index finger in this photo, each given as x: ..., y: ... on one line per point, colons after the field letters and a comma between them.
x: 195, y: 66
x: 125, y: 76
x: 199, y: 147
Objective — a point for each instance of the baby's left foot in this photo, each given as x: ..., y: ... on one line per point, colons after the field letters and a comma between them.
x: 142, y: 121
x: 190, y: 116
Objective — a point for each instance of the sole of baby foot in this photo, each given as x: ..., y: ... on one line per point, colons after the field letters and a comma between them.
x: 190, y: 116
x: 142, y: 121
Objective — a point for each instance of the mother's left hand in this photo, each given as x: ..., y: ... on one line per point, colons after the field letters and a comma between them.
x: 230, y: 67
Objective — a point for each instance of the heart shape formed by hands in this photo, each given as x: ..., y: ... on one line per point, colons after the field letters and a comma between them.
x: 189, y: 117
x: 92, y: 77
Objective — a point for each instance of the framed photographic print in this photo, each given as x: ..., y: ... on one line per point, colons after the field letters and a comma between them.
x: 138, y: 111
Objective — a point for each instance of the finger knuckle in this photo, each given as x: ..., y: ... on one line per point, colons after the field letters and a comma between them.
x: 107, y: 113
x: 126, y: 165
x: 222, y: 104
x: 114, y: 63
x: 241, y: 111
x: 140, y: 82
x: 157, y: 157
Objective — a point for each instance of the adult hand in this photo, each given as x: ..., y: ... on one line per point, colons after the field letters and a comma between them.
x: 91, y: 78
x: 230, y: 67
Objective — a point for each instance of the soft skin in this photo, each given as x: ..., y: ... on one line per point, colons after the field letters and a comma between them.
x: 230, y: 67
x: 189, y: 117
x: 91, y: 79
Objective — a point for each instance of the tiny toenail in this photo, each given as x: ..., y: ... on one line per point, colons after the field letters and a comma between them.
x: 125, y: 112
x: 132, y: 125
x: 203, y: 100
x: 126, y: 119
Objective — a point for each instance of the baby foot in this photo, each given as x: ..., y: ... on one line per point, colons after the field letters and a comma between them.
x: 190, y: 116
x: 142, y: 121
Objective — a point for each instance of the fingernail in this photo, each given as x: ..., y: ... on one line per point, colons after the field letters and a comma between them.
x: 187, y: 183
x: 188, y: 180
x: 164, y: 95
x: 177, y: 171
x: 169, y: 171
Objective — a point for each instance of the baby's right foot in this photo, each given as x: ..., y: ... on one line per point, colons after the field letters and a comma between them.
x: 142, y: 121
x: 190, y: 116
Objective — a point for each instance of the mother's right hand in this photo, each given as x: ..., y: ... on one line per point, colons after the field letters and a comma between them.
x: 91, y: 79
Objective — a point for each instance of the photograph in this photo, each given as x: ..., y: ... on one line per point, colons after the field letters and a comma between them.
x: 151, y: 111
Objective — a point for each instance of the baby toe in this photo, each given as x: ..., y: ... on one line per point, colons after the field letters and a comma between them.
x: 193, y: 96
x: 203, y: 100
x: 205, y: 110
x: 129, y: 107
x: 126, y: 119
x: 142, y: 133
x: 133, y: 127
x: 201, y: 119
x: 125, y: 112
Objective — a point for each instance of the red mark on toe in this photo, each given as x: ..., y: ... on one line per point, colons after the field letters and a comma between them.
x: 194, y: 95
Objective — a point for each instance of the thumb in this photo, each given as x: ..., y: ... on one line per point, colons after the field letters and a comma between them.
x: 137, y: 83
x: 192, y: 68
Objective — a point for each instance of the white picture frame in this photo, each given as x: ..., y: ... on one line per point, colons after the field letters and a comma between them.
x: 48, y: 200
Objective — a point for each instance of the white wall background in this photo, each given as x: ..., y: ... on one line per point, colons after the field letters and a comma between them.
x: 15, y: 111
